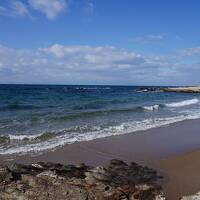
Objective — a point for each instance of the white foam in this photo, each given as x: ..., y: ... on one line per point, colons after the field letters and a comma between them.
x: 22, y: 137
x: 126, y: 127
x: 183, y: 103
x: 151, y: 108
x: 93, y: 88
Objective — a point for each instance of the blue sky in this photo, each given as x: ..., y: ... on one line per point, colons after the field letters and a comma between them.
x: 122, y: 42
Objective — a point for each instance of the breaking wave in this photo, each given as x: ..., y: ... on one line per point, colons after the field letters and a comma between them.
x: 77, y: 134
x: 183, y: 103
x: 174, y: 104
x: 152, y: 108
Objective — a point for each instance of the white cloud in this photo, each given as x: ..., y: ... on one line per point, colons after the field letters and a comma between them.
x: 14, y: 9
x: 147, y: 38
x: 20, y: 8
x: 89, y: 7
x: 83, y: 64
x: 95, y: 57
x: 51, y: 8
x: 190, y: 51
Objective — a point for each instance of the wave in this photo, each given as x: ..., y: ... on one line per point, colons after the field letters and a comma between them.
x: 13, y: 107
x: 174, y: 104
x: 98, y: 104
x: 44, y: 135
x: 11, y: 138
x: 36, y: 137
x: 96, y: 132
x: 100, y: 113
x: 110, y: 111
x: 152, y: 108
x: 4, y: 139
x: 23, y: 137
x: 183, y: 103
x: 93, y: 88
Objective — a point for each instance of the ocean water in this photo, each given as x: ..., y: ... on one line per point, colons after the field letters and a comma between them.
x: 36, y: 118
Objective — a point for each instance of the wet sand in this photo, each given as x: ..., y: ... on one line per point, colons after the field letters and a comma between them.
x: 158, y: 147
x: 184, y: 174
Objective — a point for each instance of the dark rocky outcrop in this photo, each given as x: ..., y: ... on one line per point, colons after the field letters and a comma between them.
x: 115, y: 181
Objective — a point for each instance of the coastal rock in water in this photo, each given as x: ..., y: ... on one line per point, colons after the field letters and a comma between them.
x: 147, y: 89
x: 49, y: 181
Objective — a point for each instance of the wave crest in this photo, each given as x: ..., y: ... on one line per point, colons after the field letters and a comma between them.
x: 152, y: 108
x: 174, y: 104
x: 183, y: 103
x: 99, y: 132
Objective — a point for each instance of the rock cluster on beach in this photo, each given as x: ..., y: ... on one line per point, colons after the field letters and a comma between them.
x: 115, y: 181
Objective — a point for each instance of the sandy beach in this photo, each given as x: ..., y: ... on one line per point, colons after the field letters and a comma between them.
x: 99, y: 100
x: 183, y: 174
x: 172, y: 150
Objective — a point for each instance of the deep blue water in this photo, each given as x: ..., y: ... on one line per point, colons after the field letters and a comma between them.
x: 42, y: 117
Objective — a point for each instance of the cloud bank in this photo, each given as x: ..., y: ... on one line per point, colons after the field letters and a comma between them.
x: 50, y: 8
x: 63, y: 64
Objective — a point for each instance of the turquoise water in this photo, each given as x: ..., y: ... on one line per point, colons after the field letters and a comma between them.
x: 36, y: 118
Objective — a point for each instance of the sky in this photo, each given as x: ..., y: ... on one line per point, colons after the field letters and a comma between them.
x: 101, y: 42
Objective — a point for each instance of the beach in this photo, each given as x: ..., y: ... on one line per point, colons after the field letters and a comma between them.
x: 172, y: 150
x: 182, y: 174
x: 99, y: 100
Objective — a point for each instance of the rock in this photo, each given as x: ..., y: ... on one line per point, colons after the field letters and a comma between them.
x: 26, y: 169
x: 48, y: 173
x: 119, y: 173
x: 148, y: 89
x: 192, y: 197
x: 182, y: 89
x: 46, y: 181
x: 5, y: 174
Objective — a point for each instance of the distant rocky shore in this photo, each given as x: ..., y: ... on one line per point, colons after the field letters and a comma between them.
x: 115, y: 181
x: 182, y: 89
x: 194, y: 89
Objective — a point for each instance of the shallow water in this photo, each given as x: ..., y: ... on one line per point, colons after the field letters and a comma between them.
x: 36, y: 118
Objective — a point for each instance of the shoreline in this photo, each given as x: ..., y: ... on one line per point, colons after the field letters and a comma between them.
x: 172, y: 150
x: 147, y: 145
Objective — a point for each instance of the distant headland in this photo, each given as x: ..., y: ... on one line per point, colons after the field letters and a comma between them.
x: 191, y: 89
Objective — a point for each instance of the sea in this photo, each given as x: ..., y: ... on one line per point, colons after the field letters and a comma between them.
x: 37, y: 118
